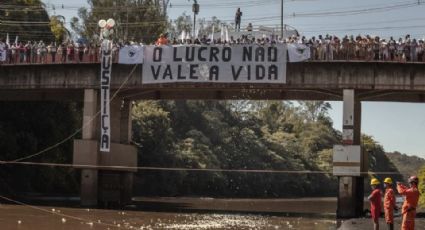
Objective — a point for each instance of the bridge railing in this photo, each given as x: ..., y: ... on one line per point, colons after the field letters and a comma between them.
x: 25, y: 58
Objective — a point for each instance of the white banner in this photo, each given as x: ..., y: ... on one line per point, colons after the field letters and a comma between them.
x: 215, y: 64
x: 131, y: 55
x: 105, y: 81
x: 2, y: 55
x: 298, y: 52
x: 2, y: 51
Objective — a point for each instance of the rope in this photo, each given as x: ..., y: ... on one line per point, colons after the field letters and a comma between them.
x: 58, y: 213
x: 130, y: 168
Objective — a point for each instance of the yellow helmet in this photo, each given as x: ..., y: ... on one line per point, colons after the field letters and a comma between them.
x: 388, y: 180
x: 374, y: 181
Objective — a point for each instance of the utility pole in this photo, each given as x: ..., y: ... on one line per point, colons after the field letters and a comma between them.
x: 195, y: 10
x: 281, y: 20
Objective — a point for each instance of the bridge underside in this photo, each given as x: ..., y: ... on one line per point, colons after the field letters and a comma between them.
x: 216, y: 93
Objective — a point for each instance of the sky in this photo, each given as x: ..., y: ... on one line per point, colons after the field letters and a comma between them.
x: 397, y: 126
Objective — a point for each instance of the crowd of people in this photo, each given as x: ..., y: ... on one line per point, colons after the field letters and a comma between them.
x: 322, y: 48
x: 328, y: 48
x: 32, y: 52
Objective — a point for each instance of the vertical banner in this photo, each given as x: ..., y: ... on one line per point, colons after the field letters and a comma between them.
x: 105, y: 85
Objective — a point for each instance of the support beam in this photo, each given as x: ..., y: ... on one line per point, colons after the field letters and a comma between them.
x: 89, y: 177
x: 351, y: 189
x: 117, y: 186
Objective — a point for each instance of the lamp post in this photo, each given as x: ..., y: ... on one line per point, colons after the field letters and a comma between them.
x: 195, y: 10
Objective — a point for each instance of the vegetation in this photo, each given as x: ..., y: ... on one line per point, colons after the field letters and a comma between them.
x: 26, y: 19
x: 135, y: 20
x: 240, y: 135
x: 25, y: 129
x: 421, y: 176
x: 408, y: 165
x: 267, y: 135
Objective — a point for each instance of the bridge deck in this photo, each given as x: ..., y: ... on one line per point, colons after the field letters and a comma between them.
x: 376, y: 81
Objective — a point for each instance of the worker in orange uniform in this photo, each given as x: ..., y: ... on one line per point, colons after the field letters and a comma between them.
x: 411, y: 197
x: 389, y: 203
x: 162, y: 40
x: 375, y: 199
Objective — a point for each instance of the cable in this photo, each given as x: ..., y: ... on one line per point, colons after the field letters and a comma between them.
x: 78, y: 130
x: 99, y: 167
x: 58, y: 213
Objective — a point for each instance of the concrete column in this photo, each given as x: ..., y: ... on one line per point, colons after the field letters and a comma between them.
x: 117, y: 186
x: 116, y: 106
x: 350, y: 189
x: 89, y: 177
x: 126, y: 124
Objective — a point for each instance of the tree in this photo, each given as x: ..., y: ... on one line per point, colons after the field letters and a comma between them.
x: 185, y: 23
x: 26, y: 19
x: 135, y: 20
x: 421, y: 176
x: 57, y: 25
x: 315, y: 109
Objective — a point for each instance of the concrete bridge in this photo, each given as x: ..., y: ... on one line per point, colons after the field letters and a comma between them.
x: 368, y: 81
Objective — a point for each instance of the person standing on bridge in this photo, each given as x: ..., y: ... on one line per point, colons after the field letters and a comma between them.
x: 389, y: 203
x: 411, y: 198
x: 375, y: 202
x: 238, y: 18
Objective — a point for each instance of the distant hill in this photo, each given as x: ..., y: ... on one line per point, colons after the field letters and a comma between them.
x: 407, y: 165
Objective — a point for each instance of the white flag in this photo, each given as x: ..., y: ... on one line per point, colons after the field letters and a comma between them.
x: 16, y: 40
x: 131, y: 55
x: 227, y: 34
x: 183, y: 35
x: 2, y: 51
x: 7, y: 40
x: 222, y: 33
x: 298, y: 52
x: 212, y: 34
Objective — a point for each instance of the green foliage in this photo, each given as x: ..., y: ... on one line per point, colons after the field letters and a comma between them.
x: 421, y: 176
x: 135, y: 20
x: 232, y: 135
x: 27, y: 128
x: 407, y: 165
x: 379, y: 161
x: 57, y: 25
x: 27, y: 19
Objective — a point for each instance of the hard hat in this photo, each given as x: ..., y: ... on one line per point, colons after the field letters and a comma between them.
x: 374, y: 181
x: 414, y: 179
x: 388, y: 180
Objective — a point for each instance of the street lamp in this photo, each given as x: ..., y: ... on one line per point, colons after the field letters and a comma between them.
x: 195, y: 10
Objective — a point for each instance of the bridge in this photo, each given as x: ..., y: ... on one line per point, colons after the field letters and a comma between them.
x: 333, y: 81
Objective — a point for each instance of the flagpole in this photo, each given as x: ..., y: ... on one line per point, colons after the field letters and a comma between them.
x: 281, y: 19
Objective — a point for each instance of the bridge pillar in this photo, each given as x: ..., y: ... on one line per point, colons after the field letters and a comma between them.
x: 89, y: 177
x: 117, y: 185
x: 351, y: 189
x: 113, y: 185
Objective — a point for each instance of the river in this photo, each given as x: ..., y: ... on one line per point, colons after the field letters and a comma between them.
x: 181, y: 213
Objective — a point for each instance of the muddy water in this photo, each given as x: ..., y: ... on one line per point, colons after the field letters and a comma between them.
x: 178, y: 213
x: 23, y: 218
